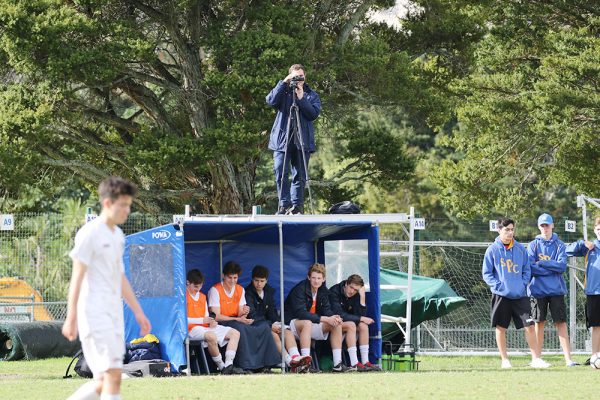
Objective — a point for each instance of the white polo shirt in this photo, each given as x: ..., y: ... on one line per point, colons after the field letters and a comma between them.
x: 100, y: 306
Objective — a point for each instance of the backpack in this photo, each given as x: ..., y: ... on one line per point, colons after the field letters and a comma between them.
x: 345, y: 207
x: 81, y: 367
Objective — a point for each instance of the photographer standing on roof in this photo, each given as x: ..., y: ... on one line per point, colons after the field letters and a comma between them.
x: 290, y: 147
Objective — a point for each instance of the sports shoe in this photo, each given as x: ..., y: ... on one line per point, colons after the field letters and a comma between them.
x: 300, y: 364
x: 539, y: 363
x: 312, y: 370
x: 231, y: 370
x: 341, y: 367
x: 505, y: 364
x: 282, y: 210
x: 373, y: 367
x: 295, y: 210
x: 360, y: 367
x: 572, y: 363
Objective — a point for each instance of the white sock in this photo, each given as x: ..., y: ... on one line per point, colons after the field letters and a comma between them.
x: 86, y: 391
x: 229, y: 356
x: 353, y: 357
x: 288, y: 359
x: 364, y: 353
x: 337, y: 356
x: 294, y: 352
x: 305, y: 352
x: 106, y: 396
x: 219, y: 362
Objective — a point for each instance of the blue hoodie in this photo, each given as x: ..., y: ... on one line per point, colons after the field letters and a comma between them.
x: 506, y: 272
x: 548, y: 262
x: 592, y: 264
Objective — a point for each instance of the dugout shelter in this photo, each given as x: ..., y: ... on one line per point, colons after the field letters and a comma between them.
x: 157, y: 260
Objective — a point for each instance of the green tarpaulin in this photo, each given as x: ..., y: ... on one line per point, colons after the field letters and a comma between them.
x: 37, y: 339
x: 431, y: 299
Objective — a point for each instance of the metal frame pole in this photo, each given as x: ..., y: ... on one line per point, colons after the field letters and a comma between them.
x: 281, y: 299
x: 221, y: 258
x: 572, y: 304
x: 411, y: 250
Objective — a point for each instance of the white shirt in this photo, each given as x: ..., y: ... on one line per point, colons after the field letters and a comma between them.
x: 214, y: 300
x: 100, y: 306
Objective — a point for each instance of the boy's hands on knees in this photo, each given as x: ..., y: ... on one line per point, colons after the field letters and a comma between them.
x: 276, y: 327
x: 366, y: 320
x: 245, y: 320
x: 210, y: 321
x: 334, y: 320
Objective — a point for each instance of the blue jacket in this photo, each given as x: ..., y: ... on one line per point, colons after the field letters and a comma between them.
x: 548, y: 262
x: 592, y: 264
x: 309, y: 106
x: 507, y: 272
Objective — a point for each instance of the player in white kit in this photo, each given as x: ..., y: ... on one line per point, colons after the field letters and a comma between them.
x: 98, y: 285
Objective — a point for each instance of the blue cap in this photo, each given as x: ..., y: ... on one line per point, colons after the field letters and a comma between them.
x: 545, y: 219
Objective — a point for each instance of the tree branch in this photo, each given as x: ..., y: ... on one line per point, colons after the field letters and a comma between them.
x: 108, y: 118
x: 352, y: 22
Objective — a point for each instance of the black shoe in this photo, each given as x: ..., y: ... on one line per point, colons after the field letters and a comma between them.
x: 341, y: 367
x: 231, y: 370
x: 295, y: 210
x: 312, y: 370
x: 282, y: 210
x: 228, y: 370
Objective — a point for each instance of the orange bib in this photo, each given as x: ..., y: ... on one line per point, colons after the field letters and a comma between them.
x: 195, y: 308
x: 229, y: 305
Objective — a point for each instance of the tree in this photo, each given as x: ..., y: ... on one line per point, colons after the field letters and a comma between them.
x: 528, y: 111
x: 169, y: 94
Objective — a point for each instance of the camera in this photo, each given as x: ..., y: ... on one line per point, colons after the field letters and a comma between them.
x: 295, y: 81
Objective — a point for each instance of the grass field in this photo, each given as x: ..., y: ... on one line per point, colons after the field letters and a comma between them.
x: 438, y: 378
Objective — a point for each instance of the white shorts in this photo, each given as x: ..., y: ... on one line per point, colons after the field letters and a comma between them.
x: 198, y: 332
x: 103, y: 351
x: 316, y: 331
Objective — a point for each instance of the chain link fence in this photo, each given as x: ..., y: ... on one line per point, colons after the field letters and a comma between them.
x: 454, y: 251
x: 35, y: 267
x: 35, y: 271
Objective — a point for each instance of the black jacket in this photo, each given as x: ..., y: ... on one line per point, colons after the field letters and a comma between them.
x: 349, y: 308
x: 262, y: 309
x: 299, y: 301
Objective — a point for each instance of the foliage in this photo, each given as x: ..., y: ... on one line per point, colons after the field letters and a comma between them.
x: 528, y: 120
x: 168, y: 94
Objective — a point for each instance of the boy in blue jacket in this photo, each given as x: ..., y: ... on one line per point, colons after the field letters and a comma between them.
x: 591, y: 252
x: 547, y: 288
x: 507, y: 272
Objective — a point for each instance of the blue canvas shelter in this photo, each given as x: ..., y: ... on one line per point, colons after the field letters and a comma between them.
x: 157, y: 260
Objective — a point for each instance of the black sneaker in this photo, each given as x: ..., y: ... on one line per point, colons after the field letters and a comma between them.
x: 231, y: 370
x: 295, y: 210
x: 228, y: 370
x: 312, y: 370
x: 282, y: 210
x: 341, y: 367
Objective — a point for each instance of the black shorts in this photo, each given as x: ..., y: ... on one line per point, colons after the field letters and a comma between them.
x: 505, y: 309
x: 539, y: 308
x: 592, y: 310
